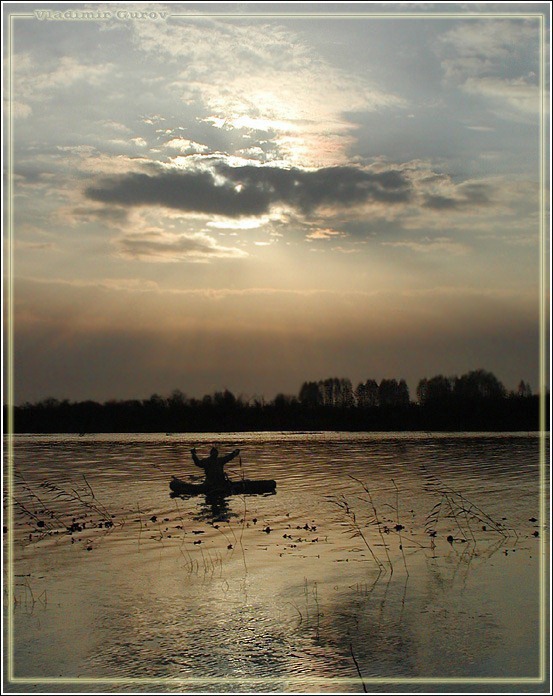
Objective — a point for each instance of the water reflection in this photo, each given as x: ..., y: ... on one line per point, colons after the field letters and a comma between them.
x: 273, y: 587
x: 215, y: 508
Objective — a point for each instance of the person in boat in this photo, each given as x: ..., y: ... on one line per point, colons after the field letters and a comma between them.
x: 214, y: 465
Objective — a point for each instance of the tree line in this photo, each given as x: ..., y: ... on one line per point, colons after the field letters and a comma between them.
x: 474, y: 401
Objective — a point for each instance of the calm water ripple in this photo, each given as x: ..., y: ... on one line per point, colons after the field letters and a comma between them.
x: 390, y: 556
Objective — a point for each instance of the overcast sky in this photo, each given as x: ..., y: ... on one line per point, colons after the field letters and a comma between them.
x: 205, y: 202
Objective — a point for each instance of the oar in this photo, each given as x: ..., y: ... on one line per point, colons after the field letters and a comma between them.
x: 241, y: 473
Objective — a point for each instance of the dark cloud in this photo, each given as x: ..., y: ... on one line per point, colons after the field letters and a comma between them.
x: 251, y: 190
x: 441, y: 202
x: 195, y: 191
x: 471, y: 194
x: 477, y: 194
x: 30, y: 173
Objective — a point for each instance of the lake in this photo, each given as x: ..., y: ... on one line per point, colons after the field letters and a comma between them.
x: 396, y: 561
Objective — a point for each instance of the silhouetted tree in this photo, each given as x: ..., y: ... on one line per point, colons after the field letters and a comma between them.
x: 437, y: 388
x: 393, y: 393
x: 366, y: 394
x: 478, y: 384
x: 225, y: 399
x: 524, y: 390
x: 344, y: 394
x: 403, y: 393
x: 309, y: 394
x: 473, y: 401
x: 282, y: 401
x: 156, y: 402
x: 177, y: 398
x: 326, y: 389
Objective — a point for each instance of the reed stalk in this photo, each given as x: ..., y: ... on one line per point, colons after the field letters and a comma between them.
x: 399, y: 527
x: 356, y: 528
x: 357, y: 668
x: 376, y: 521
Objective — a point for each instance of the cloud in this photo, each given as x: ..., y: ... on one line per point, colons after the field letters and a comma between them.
x: 264, y: 81
x: 521, y: 93
x: 482, y: 45
x: 186, y: 146
x: 114, y: 125
x: 157, y: 245
x: 114, y: 215
x: 40, y: 246
x: 252, y: 190
x: 34, y: 81
x: 429, y: 245
x: 467, y: 195
x: 323, y: 233
x: 495, y: 59
x: 241, y: 224
x: 17, y: 109
x: 481, y: 129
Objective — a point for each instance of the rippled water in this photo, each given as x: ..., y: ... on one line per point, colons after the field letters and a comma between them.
x: 344, y: 577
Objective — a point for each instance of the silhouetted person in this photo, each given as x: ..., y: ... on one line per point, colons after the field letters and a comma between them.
x: 213, y: 466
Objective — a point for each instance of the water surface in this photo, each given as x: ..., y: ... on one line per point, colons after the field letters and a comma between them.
x: 345, y: 577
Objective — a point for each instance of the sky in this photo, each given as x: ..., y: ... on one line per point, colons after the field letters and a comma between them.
x: 206, y: 200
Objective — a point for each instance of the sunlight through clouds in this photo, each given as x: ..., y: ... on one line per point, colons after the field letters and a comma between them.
x: 302, y: 110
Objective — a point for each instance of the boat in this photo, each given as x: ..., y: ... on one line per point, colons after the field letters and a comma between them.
x: 242, y: 486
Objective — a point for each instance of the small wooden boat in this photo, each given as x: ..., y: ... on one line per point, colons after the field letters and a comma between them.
x: 242, y: 486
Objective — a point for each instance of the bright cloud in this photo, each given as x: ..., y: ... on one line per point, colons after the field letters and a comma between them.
x: 35, y: 82
x: 267, y: 81
x: 519, y: 93
x: 160, y: 246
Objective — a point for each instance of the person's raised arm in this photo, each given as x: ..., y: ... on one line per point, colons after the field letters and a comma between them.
x: 195, y: 459
x: 230, y: 456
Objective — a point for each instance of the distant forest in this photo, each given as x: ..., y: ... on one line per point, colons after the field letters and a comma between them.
x: 476, y: 401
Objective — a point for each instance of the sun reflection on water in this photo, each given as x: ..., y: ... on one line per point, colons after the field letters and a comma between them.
x: 284, y: 591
